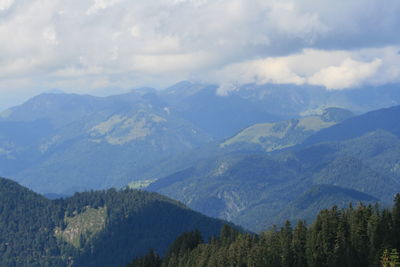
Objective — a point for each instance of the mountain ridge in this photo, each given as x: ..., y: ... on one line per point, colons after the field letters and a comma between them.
x: 98, y: 228
x: 253, y: 187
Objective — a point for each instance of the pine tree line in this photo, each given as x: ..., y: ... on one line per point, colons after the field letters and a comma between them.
x: 362, y: 236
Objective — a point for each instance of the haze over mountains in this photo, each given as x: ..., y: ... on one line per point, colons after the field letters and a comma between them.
x: 126, y: 125
x: 257, y: 190
x: 78, y: 142
x: 255, y: 156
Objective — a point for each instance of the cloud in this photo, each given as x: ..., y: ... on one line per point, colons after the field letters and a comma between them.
x: 270, y: 70
x: 50, y: 36
x: 334, y: 70
x: 156, y: 42
x: 5, y: 4
x: 349, y: 74
x: 99, y: 5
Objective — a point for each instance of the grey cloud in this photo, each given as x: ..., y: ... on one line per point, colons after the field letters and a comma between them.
x: 79, y: 45
x: 357, y: 23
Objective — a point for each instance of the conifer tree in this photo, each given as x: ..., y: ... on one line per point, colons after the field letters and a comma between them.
x: 385, y: 259
x: 394, y: 258
x: 299, y: 245
x: 286, y: 239
x: 396, y: 221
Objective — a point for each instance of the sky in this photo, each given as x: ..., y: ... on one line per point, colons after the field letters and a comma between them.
x: 105, y: 46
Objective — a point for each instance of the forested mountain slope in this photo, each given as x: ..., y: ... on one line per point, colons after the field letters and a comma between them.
x: 64, y: 143
x: 257, y: 189
x: 98, y: 228
x: 362, y: 236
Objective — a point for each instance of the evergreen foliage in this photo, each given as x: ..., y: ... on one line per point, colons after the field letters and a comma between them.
x: 362, y: 236
x: 35, y: 231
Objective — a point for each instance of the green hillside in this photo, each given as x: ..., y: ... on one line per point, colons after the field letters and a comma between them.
x: 257, y: 190
x: 97, y: 228
x: 385, y: 119
x: 320, y: 197
x: 356, y: 236
x: 279, y: 135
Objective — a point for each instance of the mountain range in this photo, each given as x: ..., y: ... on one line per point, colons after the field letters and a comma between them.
x: 353, y: 161
x: 63, y: 143
x: 255, y: 156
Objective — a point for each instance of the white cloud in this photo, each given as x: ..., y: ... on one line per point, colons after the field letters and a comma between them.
x: 156, y: 42
x: 269, y: 70
x: 167, y: 63
x: 50, y: 36
x: 135, y: 31
x: 100, y: 4
x: 5, y: 4
x: 349, y: 74
x: 334, y: 70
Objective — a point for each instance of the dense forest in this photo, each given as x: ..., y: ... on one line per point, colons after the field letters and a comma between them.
x: 356, y: 236
x: 97, y: 228
x: 112, y: 227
